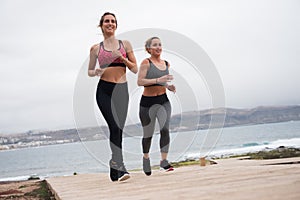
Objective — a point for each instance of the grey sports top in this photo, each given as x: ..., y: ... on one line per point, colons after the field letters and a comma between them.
x: 154, y: 72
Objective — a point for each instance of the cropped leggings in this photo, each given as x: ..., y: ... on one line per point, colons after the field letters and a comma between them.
x: 152, y: 108
x: 112, y: 100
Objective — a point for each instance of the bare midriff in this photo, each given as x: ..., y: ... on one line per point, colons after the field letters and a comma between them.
x: 114, y: 74
x: 154, y: 90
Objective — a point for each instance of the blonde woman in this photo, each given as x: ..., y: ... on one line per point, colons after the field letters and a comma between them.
x: 154, y: 76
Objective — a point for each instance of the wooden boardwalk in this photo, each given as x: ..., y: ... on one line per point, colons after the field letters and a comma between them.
x: 229, y: 179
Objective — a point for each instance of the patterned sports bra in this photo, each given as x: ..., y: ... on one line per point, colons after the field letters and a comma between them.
x: 106, y: 59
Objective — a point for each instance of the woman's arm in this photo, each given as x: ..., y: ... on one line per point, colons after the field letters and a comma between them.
x: 92, y: 63
x: 131, y: 61
x: 142, y: 81
x: 171, y: 87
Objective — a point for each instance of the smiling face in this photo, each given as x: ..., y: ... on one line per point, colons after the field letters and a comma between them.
x: 108, y: 24
x: 155, y: 47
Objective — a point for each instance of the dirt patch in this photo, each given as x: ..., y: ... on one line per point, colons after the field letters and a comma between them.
x: 25, y: 190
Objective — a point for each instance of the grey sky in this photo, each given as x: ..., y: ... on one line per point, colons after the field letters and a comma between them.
x: 254, y: 44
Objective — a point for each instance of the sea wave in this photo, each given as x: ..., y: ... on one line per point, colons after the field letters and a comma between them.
x: 250, y: 144
x: 249, y: 148
x: 17, y: 178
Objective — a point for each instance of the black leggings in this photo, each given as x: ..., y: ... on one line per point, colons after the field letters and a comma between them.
x: 151, y: 108
x: 112, y: 100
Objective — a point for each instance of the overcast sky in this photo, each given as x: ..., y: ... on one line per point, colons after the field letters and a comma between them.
x: 254, y: 45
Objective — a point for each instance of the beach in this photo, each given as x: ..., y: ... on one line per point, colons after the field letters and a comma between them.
x: 232, y: 178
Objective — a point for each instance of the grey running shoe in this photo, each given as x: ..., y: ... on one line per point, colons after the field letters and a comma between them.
x: 166, y: 166
x: 146, y: 166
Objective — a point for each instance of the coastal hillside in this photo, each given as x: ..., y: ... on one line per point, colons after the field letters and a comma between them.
x: 187, y: 121
x: 227, y: 117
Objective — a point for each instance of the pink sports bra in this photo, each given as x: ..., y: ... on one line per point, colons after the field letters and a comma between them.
x: 106, y: 59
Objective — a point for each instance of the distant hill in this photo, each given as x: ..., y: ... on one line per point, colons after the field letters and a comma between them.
x: 228, y: 117
x: 187, y: 121
x: 195, y: 120
x: 240, y: 117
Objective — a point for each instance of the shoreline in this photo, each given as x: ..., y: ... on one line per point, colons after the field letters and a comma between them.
x: 273, y: 153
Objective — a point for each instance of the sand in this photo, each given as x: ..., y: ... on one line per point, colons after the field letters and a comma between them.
x: 229, y: 179
x: 19, y: 189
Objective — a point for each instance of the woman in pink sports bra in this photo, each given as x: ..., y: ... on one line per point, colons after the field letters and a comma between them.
x: 114, y: 57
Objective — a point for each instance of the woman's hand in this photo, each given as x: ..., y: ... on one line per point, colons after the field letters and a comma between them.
x: 172, y: 88
x: 165, y: 79
x: 99, y: 71
x: 117, y: 54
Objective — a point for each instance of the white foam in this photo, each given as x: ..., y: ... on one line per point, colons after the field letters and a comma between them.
x: 293, y: 142
x: 17, y: 178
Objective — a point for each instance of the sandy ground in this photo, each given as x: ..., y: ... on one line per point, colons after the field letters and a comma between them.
x: 227, y: 180
x: 18, y: 189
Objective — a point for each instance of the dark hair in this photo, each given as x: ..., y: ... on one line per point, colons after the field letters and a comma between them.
x: 148, y: 43
x: 102, y: 18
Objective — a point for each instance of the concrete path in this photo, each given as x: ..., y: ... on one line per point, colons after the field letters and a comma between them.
x: 229, y: 179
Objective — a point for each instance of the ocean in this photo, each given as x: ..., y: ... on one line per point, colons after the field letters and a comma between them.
x: 93, y: 156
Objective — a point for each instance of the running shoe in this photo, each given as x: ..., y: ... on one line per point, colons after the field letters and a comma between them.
x: 166, y: 166
x: 113, y: 172
x: 146, y: 166
x: 122, y: 173
x: 118, y: 172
